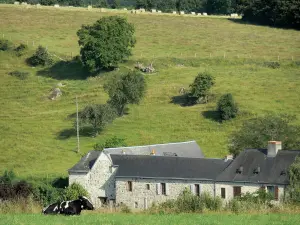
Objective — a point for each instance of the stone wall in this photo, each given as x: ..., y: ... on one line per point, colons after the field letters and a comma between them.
x: 141, y: 198
x: 245, y: 187
x: 99, y: 182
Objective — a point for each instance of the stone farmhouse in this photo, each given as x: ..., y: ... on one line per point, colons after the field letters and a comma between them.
x: 159, y: 172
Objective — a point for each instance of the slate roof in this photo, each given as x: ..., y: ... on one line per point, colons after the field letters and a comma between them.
x: 180, y: 149
x: 86, y: 162
x: 273, y: 170
x: 142, y: 166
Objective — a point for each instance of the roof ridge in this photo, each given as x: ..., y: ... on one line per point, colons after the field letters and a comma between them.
x: 172, y: 143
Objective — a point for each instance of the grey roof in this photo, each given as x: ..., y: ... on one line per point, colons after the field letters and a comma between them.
x: 86, y: 162
x: 143, y: 166
x: 273, y: 170
x: 180, y: 149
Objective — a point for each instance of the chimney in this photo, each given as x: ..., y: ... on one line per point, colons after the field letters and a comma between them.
x: 152, y: 152
x: 228, y: 157
x: 273, y: 148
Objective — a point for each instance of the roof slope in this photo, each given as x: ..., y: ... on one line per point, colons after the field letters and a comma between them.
x: 272, y: 169
x: 168, y: 167
x: 86, y: 162
x: 180, y: 149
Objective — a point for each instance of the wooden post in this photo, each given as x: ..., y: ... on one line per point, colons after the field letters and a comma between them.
x: 77, y: 125
x: 209, y: 55
x: 278, y: 58
x: 195, y: 55
x: 224, y: 55
x: 292, y: 58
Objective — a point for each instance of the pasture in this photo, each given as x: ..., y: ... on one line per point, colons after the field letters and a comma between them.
x: 184, y: 219
x: 37, y: 135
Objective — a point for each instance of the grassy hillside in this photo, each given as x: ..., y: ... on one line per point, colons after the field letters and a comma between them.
x: 36, y: 134
x: 152, y: 219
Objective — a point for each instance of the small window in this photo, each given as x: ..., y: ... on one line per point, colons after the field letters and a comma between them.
x: 148, y: 186
x: 197, y: 189
x: 163, y: 188
x: 136, y: 205
x: 273, y: 190
x: 223, y: 193
x: 237, y: 191
x: 129, y: 185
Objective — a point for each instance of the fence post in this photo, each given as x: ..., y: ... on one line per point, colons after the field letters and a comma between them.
x: 278, y: 58
x: 224, y: 55
x: 292, y: 58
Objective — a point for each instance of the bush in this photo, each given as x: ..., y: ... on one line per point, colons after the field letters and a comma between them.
x: 273, y: 65
x: 5, y: 45
x: 227, y: 107
x: 124, y: 208
x: 113, y: 142
x: 40, y: 57
x: 74, y: 191
x: 210, y: 202
x: 46, y: 194
x: 21, y: 50
x: 19, y: 74
x: 20, y: 189
x: 199, y: 89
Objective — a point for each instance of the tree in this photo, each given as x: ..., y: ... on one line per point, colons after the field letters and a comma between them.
x: 125, y: 89
x: 294, y: 179
x: 98, y: 116
x: 200, y: 88
x: 255, y: 133
x: 106, y: 43
x: 113, y: 142
x: 227, y: 107
x: 219, y: 6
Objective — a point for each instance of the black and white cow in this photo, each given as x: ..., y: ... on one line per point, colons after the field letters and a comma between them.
x: 73, y: 207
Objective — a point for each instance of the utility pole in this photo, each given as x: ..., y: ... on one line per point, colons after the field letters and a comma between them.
x: 77, y: 122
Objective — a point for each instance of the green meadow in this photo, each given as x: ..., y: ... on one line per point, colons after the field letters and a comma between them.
x: 37, y: 135
x: 184, y: 219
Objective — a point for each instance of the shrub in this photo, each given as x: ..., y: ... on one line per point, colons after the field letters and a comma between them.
x: 124, y: 208
x: 200, y: 87
x: 40, y: 57
x: 210, y: 202
x: 73, y: 191
x: 110, y: 143
x: 21, y: 49
x: 294, y: 178
x: 5, y: 45
x: 273, y: 65
x: 9, y: 191
x: 19, y: 74
x: 46, y: 194
x: 227, y: 107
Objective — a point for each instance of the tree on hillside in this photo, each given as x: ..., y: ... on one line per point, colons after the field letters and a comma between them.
x: 98, y: 116
x: 125, y: 89
x: 106, y: 43
x: 218, y: 6
x: 227, y: 107
x: 199, y: 89
x: 294, y: 179
x: 255, y: 133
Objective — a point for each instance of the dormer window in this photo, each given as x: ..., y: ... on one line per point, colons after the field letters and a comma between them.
x: 239, y: 170
x: 256, y: 170
x: 283, y: 173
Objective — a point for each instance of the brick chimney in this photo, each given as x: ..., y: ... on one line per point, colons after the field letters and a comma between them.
x: 273, y: 148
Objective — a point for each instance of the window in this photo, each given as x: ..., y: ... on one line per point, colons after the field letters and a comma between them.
x: 129, y: 185
x: 223, y: 193
x: 197, y: 189
x: 163, y: 188
x: 148, y: 186
x: 136, y: 205
x: 273, y: 190
x: 237, y: 191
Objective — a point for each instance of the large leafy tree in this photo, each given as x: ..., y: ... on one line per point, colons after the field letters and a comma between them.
x: 125, y: 89
x: 255, y: 133
x: 294, y: 178
x: 227, y: 107
x: 106, y: 43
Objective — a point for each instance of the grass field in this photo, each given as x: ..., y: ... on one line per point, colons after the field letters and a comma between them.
x: 36, y: 135
x: 134, y: 219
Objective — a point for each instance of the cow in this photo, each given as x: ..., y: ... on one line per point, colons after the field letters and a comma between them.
x: 73, y: 207
x: 52, y: 209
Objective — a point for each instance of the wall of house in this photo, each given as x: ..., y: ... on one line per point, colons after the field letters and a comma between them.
x: 245, y: 187
x: 99, y: 182
x: 142, y: 198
